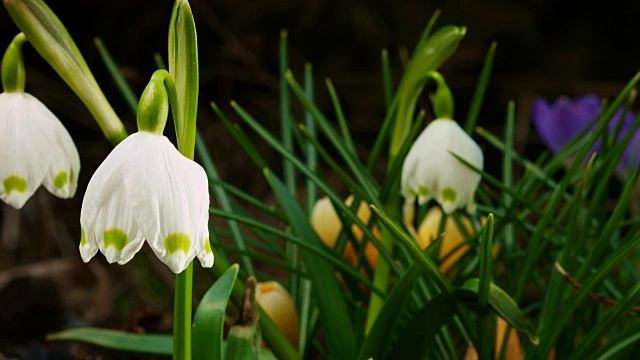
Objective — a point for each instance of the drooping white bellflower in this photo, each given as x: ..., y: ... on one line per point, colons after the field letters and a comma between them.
x: 35, y: 148
x: 430, y: 171
x: 146, y: 189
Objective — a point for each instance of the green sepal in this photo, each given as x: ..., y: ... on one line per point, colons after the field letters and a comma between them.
x: 153, y: 107
x: 52, y: 41
x: 13, y: 74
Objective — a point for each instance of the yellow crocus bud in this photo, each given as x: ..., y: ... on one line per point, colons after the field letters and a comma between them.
x: 513, y: 348
x: 453, y: 244
x: 327, y: 225
x: 278, y: 304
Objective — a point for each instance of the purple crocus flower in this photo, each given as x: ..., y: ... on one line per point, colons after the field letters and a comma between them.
x: 558, y: 123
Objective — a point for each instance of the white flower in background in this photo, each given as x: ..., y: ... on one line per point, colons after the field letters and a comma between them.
x: 35, y: 149
x: 430, y: 171
x: 146, y: 189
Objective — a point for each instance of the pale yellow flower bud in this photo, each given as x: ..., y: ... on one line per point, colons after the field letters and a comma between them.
x: 278, y: 304
x: 327, y: 225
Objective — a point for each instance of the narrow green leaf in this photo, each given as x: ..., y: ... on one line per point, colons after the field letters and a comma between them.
x: 240, y: 137
x: 378, y: 335
x: 118, y: 340
x: 556, y: 325
x: 334, y: 315
x: 286, y: 125
x: 363, y: 176
x: 485, y: 320
x: 286, y: 133
x: 383, y: 135
x: 224, y: 201
x: 248, y: 198
x: 387, y: 83
x: 481, y: 88
x: 114, y: 71
x: 419, y: 335
x: 310, y: 126
x: 318, y: 250
x: 590, y: 342
x: 486, y: 268
x: 610, y: 227
x: 432, y: 269
x: 183, y: 67
x: 208, y: 322
x: 427, y: 30
x: 335, y: 167
x: 507, y: 170
x: 502, y: 304
x: 322, y: 185
x: 304, y: 298
x: 617, y: 343
x: 266, y: 259
x: 342, y: 121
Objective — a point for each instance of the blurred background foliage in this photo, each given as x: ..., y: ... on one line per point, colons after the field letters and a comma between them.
x: 545, y: 47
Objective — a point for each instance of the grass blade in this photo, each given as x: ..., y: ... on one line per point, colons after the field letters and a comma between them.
x: 339, y: 331
x: 208, y: 322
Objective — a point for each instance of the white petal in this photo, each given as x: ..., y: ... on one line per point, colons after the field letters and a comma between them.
x: 105, y: 181
x: 115, y: 230
x: 204, y: 253
x: 170, y: 198
x: 62, y: 177
x: 409, y: 168
x: 28, y: 132
x: 88, y: 246
x: 97, y: 188
x: 433, y: 172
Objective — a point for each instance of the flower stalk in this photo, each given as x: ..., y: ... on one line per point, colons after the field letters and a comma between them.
x: 184, y: 70
x: 429, y: 55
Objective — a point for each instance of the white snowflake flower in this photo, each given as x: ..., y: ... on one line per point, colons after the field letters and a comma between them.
x: 430, y: 171
x: 146, y: 189
x: 35, y: 149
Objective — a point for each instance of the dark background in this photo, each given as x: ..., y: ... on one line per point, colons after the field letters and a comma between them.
x: 547, y: 48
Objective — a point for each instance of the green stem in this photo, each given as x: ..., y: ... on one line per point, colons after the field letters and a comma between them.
x: 381, y: 275
x: 182, y: 315
x: 184, y: 281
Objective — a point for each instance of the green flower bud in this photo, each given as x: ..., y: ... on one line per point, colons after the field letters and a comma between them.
x: 13, y: 74
x: 153, y: 107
